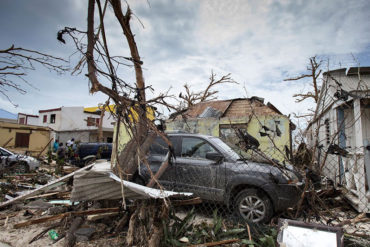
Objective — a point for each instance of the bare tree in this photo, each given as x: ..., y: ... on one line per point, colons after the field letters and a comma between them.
x: 315, y: 72
x: 15, y: 62
x: 132, y: 107
x: 191, y: 98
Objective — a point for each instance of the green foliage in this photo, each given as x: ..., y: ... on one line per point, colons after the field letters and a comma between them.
x: 176, y: 228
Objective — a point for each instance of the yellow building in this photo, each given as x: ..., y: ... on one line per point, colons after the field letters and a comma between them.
x: 24, y: 138
x: 220, y: 118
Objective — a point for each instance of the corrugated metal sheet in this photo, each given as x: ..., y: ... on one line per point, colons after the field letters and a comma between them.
x: 100, y: 183
x: 210, y: 112
x: 196, y: 110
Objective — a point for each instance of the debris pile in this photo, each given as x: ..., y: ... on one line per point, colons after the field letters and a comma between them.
x: 85, y: 207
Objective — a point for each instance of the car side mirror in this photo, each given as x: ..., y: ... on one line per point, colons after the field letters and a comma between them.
x: 215, y: 156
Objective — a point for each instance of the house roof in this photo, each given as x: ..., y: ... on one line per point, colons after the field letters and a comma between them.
x: 8, y: 125
x: 27, y: 115
x: 232, y: 108
x: 351, y: 71
x: 49, y: 110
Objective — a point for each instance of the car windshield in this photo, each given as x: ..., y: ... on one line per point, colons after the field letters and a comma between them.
x: 226, y: 148
x: 4, y: 152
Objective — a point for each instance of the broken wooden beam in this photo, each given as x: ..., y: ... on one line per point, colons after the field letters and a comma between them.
x: 7, y: 142
x: 38, y: 156
x: 63, y: 215
x: 222, y: 242
x: 192, y: 201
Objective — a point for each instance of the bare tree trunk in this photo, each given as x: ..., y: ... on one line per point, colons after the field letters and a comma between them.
x: 146, y: 228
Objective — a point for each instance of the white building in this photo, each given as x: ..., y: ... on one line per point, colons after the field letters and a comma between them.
x: 77, y: 122
x: 340, y: 133
x: 28, y: 119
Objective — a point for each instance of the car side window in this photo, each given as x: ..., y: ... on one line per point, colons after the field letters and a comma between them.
x: 160, y: 147
x: 195, y: 148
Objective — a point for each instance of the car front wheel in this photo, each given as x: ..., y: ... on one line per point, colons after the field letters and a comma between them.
x: 253, y: 205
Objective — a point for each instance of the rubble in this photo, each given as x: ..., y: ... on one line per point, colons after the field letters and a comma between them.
x: 90, y: 212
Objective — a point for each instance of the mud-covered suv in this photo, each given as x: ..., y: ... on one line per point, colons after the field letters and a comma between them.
x: 209, y: 168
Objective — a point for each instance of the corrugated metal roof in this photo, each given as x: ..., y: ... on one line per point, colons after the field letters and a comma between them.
x: 100, y: 183
x: 210, y: 112
x: 196, y: 110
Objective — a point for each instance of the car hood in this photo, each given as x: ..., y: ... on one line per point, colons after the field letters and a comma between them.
x: 29, y: 159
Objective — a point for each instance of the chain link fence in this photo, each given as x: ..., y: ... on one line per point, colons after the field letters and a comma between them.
x: 348, y: 169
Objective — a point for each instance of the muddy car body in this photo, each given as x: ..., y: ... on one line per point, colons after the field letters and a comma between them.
x: 209, y: 168
x: 21, y: 163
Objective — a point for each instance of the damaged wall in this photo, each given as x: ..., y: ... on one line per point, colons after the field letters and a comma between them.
x: 24, y: 137
x: 270, y: 131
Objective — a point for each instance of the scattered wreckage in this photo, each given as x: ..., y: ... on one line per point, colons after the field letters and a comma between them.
x: 92, y: 209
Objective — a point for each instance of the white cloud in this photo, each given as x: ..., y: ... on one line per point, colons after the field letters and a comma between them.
x: 259, y: 42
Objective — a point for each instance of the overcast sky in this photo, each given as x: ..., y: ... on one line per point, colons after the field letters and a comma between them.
x: 259, y: 42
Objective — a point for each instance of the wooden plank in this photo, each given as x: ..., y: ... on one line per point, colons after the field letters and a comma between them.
x: 7, y: 142
x: 38, y: 156
x: 61, y: 216
x: 222, y: 242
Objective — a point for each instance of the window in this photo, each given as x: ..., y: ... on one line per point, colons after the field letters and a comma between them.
x: 45, y: 118
x: 22, y: 139
x: 4, y: 153
x: 21, y: 120
x: 109, y: 139
x: 195, y: 148
x: 52, y: 118
x: 91, y: 121
x: 160, y: 147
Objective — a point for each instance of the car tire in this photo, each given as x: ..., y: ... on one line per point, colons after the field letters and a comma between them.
x: 89, y: 161
x: 253, y: 205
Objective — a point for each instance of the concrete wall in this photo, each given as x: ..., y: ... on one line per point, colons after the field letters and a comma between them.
x: 54, y: 126
x: 81, y: 136
x: 32, y: 120
x: 73, y: 118
x: 39, y: 137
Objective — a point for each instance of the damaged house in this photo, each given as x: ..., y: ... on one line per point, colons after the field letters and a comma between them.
x: 22, y: 138
x: 221, y: 118
x: 340, y: 132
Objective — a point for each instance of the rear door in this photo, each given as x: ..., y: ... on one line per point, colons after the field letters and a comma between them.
x: 157, y: 154
x: 196, y: 173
